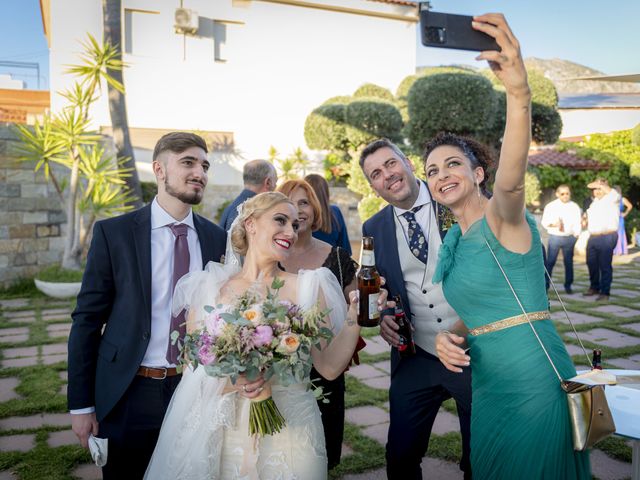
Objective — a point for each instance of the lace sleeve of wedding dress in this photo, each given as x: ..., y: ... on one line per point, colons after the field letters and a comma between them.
x: 197, y: 289
x: 311, y: 282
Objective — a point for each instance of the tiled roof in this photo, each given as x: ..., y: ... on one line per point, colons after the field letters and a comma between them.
x: 398, y: 2
x: 568, y: 159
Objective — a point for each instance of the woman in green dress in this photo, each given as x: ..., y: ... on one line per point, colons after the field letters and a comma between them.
x: 519, y: 422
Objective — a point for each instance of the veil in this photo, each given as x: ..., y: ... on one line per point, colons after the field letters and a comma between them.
x: 195, y: 290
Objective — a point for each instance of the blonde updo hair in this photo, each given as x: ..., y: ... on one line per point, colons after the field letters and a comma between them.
x: 254, y: 207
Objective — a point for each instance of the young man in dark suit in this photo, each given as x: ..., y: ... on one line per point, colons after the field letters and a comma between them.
x: 122, y: 365
x: 407, y: 235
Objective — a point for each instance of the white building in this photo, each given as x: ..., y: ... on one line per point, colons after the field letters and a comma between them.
x: 249, y: 74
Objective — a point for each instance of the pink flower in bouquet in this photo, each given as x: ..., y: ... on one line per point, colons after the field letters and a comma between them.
x: 214, y: 324
x: 263, y: 335
x: 205, y: 355
x: 289, y: 343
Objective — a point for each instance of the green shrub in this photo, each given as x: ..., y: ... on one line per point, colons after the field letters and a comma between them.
x: 635, y: 135
x: 461, y: 103
x: 371, y: 90
x: 336, y: 167
x: 369, y: 206
x: 56, y: 273
x: 324, y: 128
x: 341, y: 99
x: 546, y: 124
x: 542, y: 89
x: 149, y: 191
x: 368, y: 120
x: 531, y: 189
x: 402, y: 91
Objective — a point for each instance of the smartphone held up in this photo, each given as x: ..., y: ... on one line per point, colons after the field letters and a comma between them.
x: 447, y: 30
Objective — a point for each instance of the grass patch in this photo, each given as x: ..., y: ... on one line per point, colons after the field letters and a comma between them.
x: 447, y: 447
x: 616, y: 448
x: 368, y: 454
x: 358, y: 394
x: 44, y: 462
x: 56, y: 273
x: 23, y: 288
x: 39, y: 385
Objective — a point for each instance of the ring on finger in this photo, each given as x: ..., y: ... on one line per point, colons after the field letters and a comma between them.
x: 244, y: 388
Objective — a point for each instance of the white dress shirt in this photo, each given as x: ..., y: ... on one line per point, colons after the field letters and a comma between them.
x: 570, y: 214
x: 603, y: 214
x: 162, y: 242
x: 422, y: 215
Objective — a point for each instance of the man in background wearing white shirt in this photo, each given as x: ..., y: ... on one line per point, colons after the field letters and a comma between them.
x: 561, y: 218
x: 122, y: 365
x: 602, y: 223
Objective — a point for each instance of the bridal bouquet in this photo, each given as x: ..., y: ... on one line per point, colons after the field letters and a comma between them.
x: 256, y: 336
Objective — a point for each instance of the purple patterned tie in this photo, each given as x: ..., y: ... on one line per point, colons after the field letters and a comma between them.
x: 180, y: 268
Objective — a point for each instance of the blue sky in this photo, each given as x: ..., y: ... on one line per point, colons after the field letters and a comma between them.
x: 601, y: 35
x: 598, y: 34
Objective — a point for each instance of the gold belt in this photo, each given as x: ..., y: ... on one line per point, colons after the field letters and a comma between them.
x: 509, y: 322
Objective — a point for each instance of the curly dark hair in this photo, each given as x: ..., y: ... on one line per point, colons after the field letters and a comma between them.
x: 477, y: 153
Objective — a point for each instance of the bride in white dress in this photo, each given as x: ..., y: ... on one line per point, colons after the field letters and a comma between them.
x: 205, y: 431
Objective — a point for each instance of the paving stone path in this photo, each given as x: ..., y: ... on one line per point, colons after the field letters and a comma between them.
x: 33, y: 335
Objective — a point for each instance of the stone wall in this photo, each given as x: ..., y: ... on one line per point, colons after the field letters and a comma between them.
x: 30, y: 216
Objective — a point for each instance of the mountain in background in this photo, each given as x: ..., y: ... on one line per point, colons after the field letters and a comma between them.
x: 561, y: 73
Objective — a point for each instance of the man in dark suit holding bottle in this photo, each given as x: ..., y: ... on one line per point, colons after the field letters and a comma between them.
x: 407, y: 235
x: 122, y: 364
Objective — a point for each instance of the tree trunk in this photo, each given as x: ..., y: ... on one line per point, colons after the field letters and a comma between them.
x: 112, y: 25
x: 71, y: 257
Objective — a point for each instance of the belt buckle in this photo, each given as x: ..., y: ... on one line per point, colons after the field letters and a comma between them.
x: 164, y: 371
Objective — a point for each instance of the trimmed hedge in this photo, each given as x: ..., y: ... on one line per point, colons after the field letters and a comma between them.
x: 461, y: 103
x: 324, y: 128
x: 368, y: 120
x: 546, y: 124
x: 371, y: 90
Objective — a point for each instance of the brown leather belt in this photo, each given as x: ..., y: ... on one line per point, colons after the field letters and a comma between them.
x: 159, y: 373
x: 603, y: 233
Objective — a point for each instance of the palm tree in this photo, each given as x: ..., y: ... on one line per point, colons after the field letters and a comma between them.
x: 112, y: 26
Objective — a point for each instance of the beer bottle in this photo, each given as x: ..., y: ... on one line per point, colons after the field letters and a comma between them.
x: 597, y: 359
x: 407, y: 347
x: 368, y: 286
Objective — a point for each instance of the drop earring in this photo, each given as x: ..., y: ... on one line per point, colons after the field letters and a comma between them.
x: 478, y: 189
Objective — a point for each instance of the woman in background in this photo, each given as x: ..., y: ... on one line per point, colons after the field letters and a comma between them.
x: 309, y: 253
x: 334, y: 229
x: 625, y: 208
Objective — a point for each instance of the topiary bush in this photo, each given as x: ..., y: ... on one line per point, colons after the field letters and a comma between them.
x: 635, y: 135
x: 324, y: 128
x: 371, y: 90
x: 461, y: 103
x: 543, y: 90
x: 368, y: 120
x: 343, y: 99
x: 546, y: 124
x: 402, y: 91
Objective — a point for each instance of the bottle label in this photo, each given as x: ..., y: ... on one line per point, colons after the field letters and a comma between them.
x: 367, y: 258
x: 374, y: 314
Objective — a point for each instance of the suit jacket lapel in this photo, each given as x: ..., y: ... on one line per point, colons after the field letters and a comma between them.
x: 390, y: 260
x: 206, y: 241
x: 142, y: 242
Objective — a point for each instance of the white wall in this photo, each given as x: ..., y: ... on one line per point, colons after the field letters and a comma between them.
x: 282, y: 62
x: 576, y: 122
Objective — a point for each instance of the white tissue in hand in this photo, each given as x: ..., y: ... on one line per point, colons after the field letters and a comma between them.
x: 98, y: 448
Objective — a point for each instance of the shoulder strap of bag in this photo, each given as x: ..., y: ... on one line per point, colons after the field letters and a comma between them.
x: 566, y: 314
x: 524, y: 312
x: 339, y: 267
